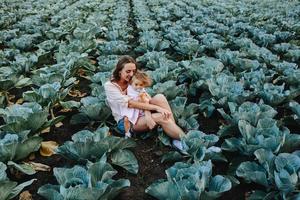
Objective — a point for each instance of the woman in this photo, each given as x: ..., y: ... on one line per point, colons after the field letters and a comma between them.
x: 116, y: 94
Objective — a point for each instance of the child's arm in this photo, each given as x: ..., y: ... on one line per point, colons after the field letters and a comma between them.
x: 144, y: 97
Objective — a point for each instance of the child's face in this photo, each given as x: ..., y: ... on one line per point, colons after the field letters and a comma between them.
x: 136, y: 84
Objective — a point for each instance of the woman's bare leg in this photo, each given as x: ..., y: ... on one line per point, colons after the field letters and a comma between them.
x: 160, y: 100
x: 168, y: 125
x: 141, y: 125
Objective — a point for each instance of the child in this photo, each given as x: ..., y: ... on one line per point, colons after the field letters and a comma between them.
x: 136, y: 90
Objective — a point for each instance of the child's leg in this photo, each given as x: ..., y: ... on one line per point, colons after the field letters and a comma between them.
x: 127, y: 127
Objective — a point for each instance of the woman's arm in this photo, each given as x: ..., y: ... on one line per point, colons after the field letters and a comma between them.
x: 151, y: 107
x: 140, y: 105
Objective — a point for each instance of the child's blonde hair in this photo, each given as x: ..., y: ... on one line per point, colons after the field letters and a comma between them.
x: 143, y: 77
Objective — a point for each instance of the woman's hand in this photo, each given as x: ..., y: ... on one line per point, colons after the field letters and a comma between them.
x: 166, y: 113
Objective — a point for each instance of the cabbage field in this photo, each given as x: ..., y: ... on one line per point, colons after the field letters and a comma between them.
x: 229, y: 69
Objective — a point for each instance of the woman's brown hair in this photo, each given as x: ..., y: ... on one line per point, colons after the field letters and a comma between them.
x: 120, y: 65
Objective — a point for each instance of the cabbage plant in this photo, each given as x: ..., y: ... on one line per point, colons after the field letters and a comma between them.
x: 198, y: 71
x: 151, y: 41
x: 28, y: 116
x: 17, y: 146
x: 47, y: 95
x: 92, y: 109
x: 93, y: 182
x: 185, y: 114
x: 225, y: 88
x: 118, y: 47
x: 9, y: 79
x: 197, y: 146
x: 87, y: 145
x: 168, y: 88
x: 266, y: 134
x: 295, y: 107
x: 153, y: 59
x: 294, y: 118
x: 248, y: 111
x: 274, y: 94
x: 107, y: 63
x: 51, y: 74
x: 10, y: 189
x: 278, y: 174
x: 190, y: 182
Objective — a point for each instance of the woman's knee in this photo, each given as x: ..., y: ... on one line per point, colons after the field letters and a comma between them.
x: 160, y: 119
x: 158, y: 98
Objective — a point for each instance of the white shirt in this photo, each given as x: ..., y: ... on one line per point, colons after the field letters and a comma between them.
x: 117, y: 99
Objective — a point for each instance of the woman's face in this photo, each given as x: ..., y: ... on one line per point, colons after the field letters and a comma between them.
x: 127, y: 72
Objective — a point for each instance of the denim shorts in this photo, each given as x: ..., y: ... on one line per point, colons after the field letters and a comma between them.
x: 121, y: 126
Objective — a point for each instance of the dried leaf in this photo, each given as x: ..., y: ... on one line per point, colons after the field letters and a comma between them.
x: 65, y: 110
x: 20, y: 101
x: 46, y: 130
x: 76, y: 93
x: 25, y: 196
x: 81, y: 72
x: 39, y: 166
x: 11, y: 97
x: 93, y: 61
x: 31, y: 156
x: 100, y: 41
x: 59, y: 124
x: 47, y: 148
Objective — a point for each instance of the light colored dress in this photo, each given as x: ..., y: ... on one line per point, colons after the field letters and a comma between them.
x: 117, y: 99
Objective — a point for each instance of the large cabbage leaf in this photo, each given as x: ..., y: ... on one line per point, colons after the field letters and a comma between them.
x: 91, y: 182
x: 190, y: 181
x: 278, y: 174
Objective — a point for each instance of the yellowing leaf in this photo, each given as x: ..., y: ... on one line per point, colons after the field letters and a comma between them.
x: 100, y: 41
x: 59, y: 124
x: 65, y: 110
x: 20, y: 101
x: 76, y: 93
x: 39, y: 166
x: 11, y: 97
x: 25, y: 196
x: 46, y: 130
x: 31, y: 156
x: 93, y: 61
x: 47, y: 148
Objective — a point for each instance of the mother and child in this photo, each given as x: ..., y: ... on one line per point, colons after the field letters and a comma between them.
x: 133, y: 108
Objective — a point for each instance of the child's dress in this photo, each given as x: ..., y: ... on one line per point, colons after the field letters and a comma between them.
x: 132, y: 113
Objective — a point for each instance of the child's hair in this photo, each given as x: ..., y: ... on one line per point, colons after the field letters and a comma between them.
x: 143, y: 77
